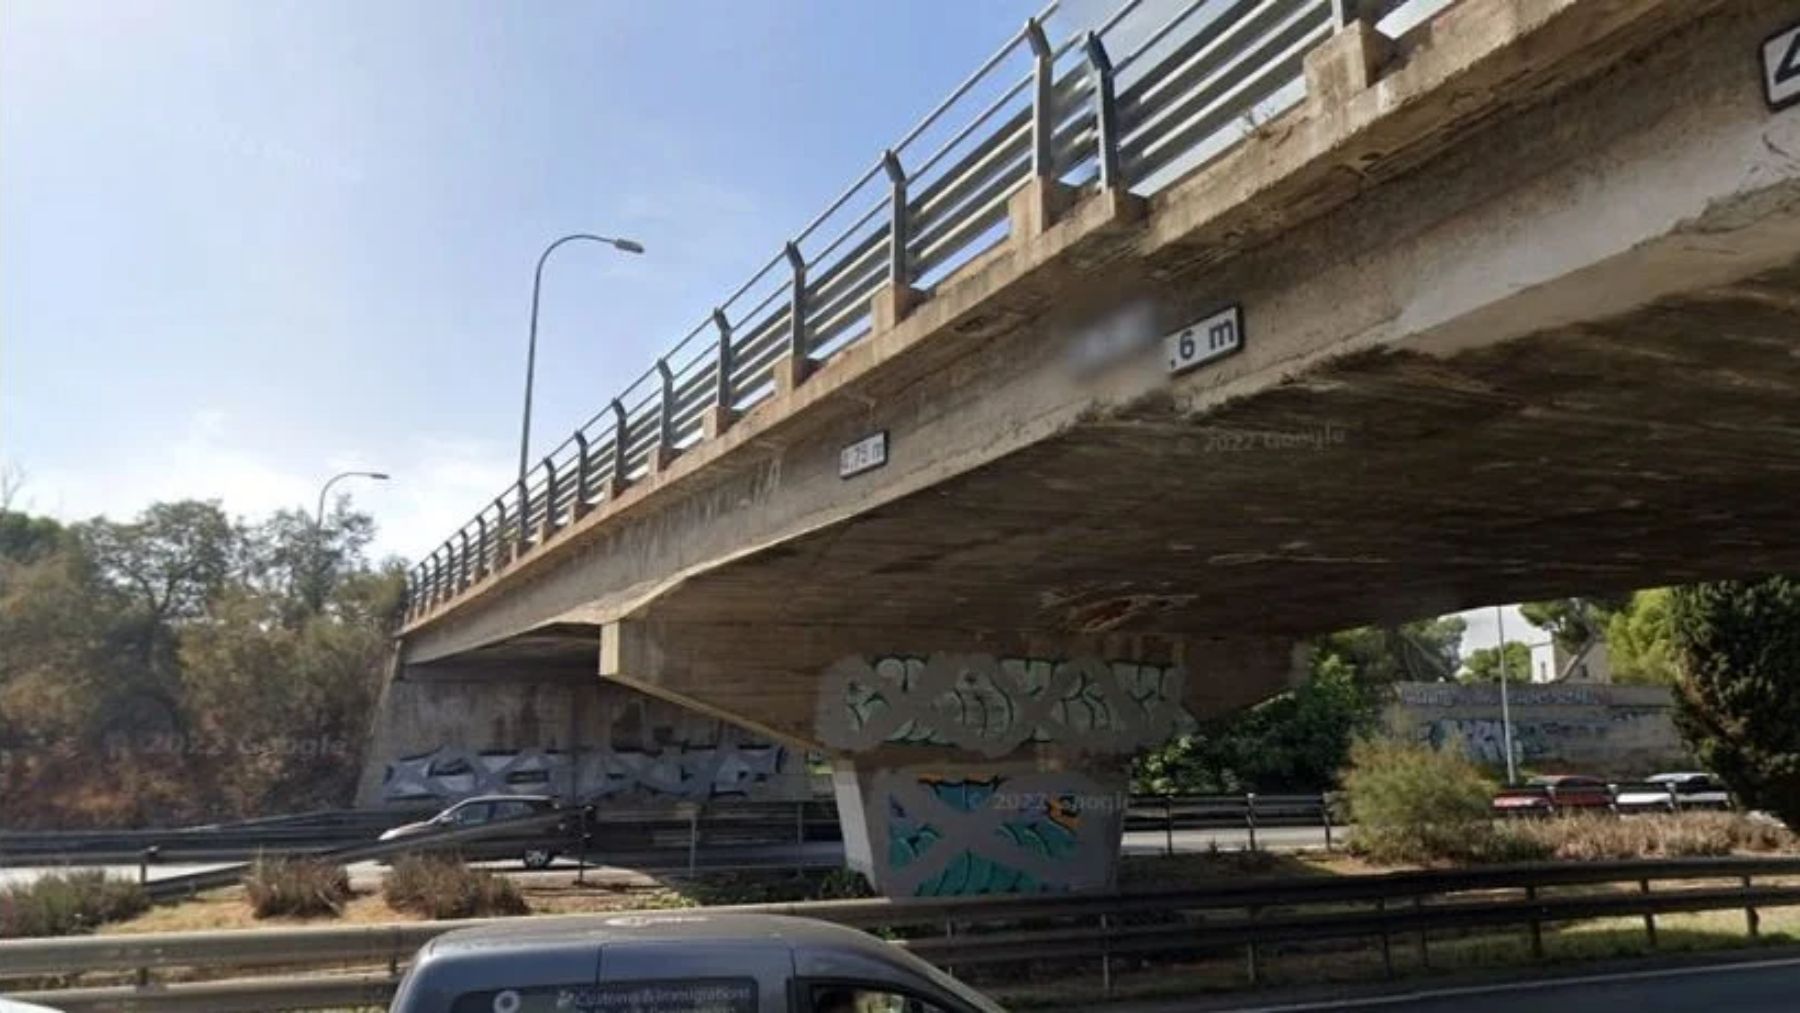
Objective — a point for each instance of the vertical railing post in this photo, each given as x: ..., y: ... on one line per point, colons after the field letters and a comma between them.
x: 665, y: 428
x: 797, y: 309
x: 465, y: 571
x: 481, y: 546
x: 524, y: 519
x: 1106, y: 117
x: 899, y: 234
x: 1649, y: 917
x: 725, y: 395
x: 550, y: 490
x: 584, y: 478
x: 1043, y: 102
x: 499, y: 531
x: 1168, y: 825
x: 621, y: 436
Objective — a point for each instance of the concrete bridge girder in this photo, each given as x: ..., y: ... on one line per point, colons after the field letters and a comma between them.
x: 1496, y: 347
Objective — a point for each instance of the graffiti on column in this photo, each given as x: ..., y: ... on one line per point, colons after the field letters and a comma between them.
x: 1029, y: 833
x: 728, y: 769
x: 994, y: 705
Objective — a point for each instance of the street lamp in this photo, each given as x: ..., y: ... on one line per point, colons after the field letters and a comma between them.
x: 315, y: 593
x: 319, y: 517
x: 537, y: 284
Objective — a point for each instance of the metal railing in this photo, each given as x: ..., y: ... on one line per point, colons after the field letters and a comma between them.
x: 966, y: 932
x: 1094, y: 110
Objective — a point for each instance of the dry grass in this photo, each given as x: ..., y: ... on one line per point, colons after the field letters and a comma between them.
x: 297, y: 887
x: 438, y: 887
x: 1591, y: 837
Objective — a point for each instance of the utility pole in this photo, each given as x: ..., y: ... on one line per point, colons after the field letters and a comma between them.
x: 1512, y: 775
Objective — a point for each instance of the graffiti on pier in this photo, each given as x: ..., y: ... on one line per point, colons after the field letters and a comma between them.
x: 1030, y: 833
x: 994, y: 705
x: 727, y: 769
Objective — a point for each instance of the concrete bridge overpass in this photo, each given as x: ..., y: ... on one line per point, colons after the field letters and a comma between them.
x: 1512, y: 303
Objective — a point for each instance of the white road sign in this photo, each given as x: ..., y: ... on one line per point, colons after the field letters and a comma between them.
x: 1781, y: 68
x: 1204, y: 340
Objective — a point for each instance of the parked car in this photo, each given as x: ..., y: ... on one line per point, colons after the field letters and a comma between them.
x: 537, y: 849
x: 1554, y: 793
x: 676, y: 962
x: 1675, y: 791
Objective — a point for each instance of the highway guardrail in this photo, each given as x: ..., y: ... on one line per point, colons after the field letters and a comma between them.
x: 965, y: 931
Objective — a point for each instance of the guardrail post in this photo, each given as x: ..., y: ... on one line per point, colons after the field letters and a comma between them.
x: 1168, y: 825
x: 720, y: 415
x: 790, y: 369
x: 1105, y: 956
x: 621, y: 436
x: 524, y: 532
x: 1250, y: 817
x: 1250, y: 960
x: 1752, y: 920
x: 892, y: 303
x: 581, y: 846
x: 693, y: 838
x: 1387, y: 940
x: 664, y: 450
x: 1424, y: 948
x: 1536, y: 927
x: 1325, y: 816
x: 465, y: 572
x: 584, y: 479
x: 1649, y: 918
x: 1106, y: 116
x: 548, y: 525
x: 799, y: 839
x: 501, y: 538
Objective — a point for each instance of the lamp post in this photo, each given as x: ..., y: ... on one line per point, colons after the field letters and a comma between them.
x: 537, y: 285
x: 316, y: 592
x: 1512, y: 775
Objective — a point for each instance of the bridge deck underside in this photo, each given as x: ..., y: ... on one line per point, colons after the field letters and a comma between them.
x: 1653, y: 448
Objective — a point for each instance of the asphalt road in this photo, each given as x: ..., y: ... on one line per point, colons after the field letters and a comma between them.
x: 1743, y: 986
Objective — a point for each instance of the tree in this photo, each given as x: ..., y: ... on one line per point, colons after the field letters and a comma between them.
x: 1640, y: 640
x: 1424, y: 651
x: 1738, y: 644
x: 1574, y: 622
x: 1484, y: 664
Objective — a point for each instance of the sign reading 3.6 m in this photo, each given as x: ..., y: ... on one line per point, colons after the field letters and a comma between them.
x: 1205, y: 340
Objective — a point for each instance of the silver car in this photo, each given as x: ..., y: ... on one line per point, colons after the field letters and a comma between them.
x: 676, y: 962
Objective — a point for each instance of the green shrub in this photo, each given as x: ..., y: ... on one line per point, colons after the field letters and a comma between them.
x: 300, y: 887
x: 441, y: 887
x: 1411, y: 802
x: 68, y: 903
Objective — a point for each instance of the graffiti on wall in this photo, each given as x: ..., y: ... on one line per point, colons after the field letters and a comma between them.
x: 727, y: 769
x: 994, y: 705
x: 1028, y: 833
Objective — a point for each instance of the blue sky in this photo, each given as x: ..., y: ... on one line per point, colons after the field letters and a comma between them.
x: 244, y: 245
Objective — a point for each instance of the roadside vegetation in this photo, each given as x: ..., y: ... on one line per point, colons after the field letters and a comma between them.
x: 296, y: 888
x: 68, y: 904
x: 440, y: 887
x: 185, y: 665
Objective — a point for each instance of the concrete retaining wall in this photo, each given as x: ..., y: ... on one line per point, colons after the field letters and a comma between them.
x: 1624, y: 731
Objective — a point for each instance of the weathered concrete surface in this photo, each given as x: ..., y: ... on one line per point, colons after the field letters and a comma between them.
x: 1521, y: 321
x: 447, y: 732
x: 1611, y: 731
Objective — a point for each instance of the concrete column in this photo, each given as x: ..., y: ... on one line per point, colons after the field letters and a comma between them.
x: 961, y: 828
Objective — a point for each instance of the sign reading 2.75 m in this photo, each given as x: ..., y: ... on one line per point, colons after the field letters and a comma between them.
x: 1205, y: 340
